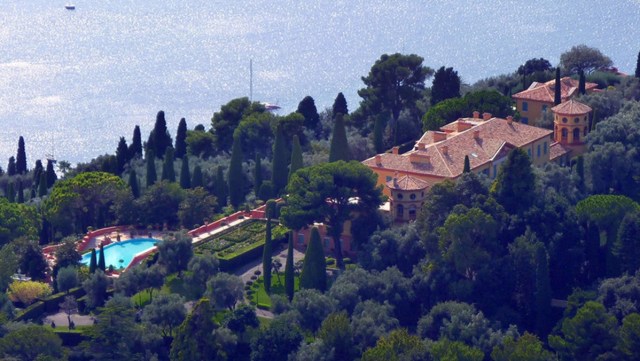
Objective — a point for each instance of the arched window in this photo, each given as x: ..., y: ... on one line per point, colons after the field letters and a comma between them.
x: 412, y: 212
x: 576, y: 135
x: 400, y: 211
x: 565, y: 134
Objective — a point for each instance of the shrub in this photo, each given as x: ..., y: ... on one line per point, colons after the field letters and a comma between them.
x: 247, y: 287
x: 28, y: 291
x: 257, y: 272
x: 347, y: 260
x: 249, y: 283
x: 254, y: 277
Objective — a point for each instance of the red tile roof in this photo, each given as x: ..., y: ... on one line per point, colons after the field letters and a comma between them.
x: 545, y: 92
x: 557, y: 150
x: 571, y: 107
x: 407, y: 183
x: 484, y: 142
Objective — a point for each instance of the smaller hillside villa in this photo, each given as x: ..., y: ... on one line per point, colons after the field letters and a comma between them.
x: 534, y: 102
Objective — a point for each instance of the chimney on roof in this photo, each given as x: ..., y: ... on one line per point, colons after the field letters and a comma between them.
x: 439, y: 136
x: 378, y: 159
x: 486, y: 116
x: 509, y: 119
x: 395, y: 150
x: 421, y: 146
x: 476, y: 134
x: 395, y: 179
x: 476, y: 114
x: 419, y: 158
x: 445, y: 149
x: 462, y: 126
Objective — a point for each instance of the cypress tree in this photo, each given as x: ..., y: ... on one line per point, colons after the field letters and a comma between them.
x: 340, y: 105
x: 135, y: 150
x: 542, y: 292
x: 37, y: 170
x: 42, y: 186
x: 378, y: 130
x: 168, y: 172
x: 11, y: 167
x: 11, y: 193
x: 339, y: 145
x: 626, y: 247
x: 314, y: 274
x: 580, y: 173
x: 20, y: 192
x: 152, y: 176
x: 280, y: 162
x: 257, y: 175
x: 266, y: 257
x: 181, y: 139
x: 296, y: 156
x: 101, y: 262
x: 221, y: 187
x: 121, y: 155
x: 185, y: 174
x: 51, y: 175
x: 307, y: 107
x: 161, y: 138
x: 557, y: 99
x: 467, y: 165
x: 21, y: 157
x: 133, y: 183
x: 638, y: 66
x: 93, y: 261
x: 288, y: 270
x: 235, y: 176
x: 582, y: 84
x: 197, y: 180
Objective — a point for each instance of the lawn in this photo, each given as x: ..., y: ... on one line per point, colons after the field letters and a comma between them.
x: 261, y: 299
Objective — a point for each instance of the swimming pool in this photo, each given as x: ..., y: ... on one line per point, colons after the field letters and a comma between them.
x: 120, y: 254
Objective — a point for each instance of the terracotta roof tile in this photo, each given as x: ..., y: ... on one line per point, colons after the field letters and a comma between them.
x: 407, y: 183
x: 571, y: 107
x: 557, y: 150
x: 545, y: 92
x: 483, y: 142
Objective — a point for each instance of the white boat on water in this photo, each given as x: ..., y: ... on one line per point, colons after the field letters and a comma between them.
x: 70, y: 7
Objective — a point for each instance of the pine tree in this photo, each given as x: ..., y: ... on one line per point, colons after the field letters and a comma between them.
x: 51, y: 175
x: 152, y: 176
x: 121, y: 155
x: 314, y: 273
x: 159, y: 138
x: 557, y: 99
x: 181, y: 139
x: 235, y: 176
x: 467, y: 165
x: 42, y: 186
x: 378, y: 130
x: 185, y: 176
x: 542, y: 292
x: 638, y: 66
x: 288, y: 270
x: 197, y: 180
x: 168, y: 172
x: 339, y: 149
x: 11, y: 167
x: 101, y: 262
x: 20, y: 192
x: 307, y: 107
x: 11, y: 193
x: 296, y: 156
x: 93, y: 263
x: 133, y: 183
x: 21, y: 157
x: 340, y: 105
x: 582, y: 84
x: 280, y: 163
x: 257, y: 175
x: 221, y: 187
x: 266, y: 257
x: 135, y: 150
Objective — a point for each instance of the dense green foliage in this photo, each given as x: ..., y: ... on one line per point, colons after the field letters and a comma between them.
x: 446, y: 84
x: 339, y: 149
x: 314, y: 274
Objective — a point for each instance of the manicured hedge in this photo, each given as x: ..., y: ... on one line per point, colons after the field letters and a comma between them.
x: 35, y: 311
x: 228, y: 264
x: 52, y: 303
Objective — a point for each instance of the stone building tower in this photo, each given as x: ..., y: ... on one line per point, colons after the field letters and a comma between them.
x: 571, y: 125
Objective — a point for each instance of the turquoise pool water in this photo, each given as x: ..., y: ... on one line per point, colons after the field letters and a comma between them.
x: 120, y: 254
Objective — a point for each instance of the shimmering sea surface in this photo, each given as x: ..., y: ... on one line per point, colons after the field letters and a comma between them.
x: 73, y: 82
